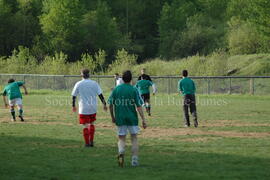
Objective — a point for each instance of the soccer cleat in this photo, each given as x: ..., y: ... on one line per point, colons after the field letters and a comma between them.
x: 13, y: 119
x: 134, y: 162
x: 186, y: 125
x: 87, y: 145
x: 21, y: 117
x: 120, y: 159
x: 91, y: 144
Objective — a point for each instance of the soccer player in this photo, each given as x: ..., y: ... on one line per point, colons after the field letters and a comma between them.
x: 123, y: 102
x: 12, y: 90
x: 144, y: 76
x: 87, y: 90
x: 143, y: 87
x: 118, y: 79
x: 186, y: 87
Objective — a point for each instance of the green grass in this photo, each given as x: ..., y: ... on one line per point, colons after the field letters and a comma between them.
x: 232, y: 142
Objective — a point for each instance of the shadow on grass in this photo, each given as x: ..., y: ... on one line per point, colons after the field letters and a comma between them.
x: 44, y: 158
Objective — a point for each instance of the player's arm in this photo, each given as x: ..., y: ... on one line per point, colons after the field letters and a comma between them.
x: 194, y: 86
x: 102, y: 99
x: 112, y: 113
x: 140, y: 110
x: 154, y: 88
x: 74, y: 109
x: 74, y: 94
x: 180, y: 87
x: 25, y: 90
x: 139, y: 102
x: 5, y: 99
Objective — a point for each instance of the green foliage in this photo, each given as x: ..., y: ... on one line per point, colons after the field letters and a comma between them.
x: 216, y: 64
x: 100, y: 58
x: 260, y: 17
x: 123, y: 61
x: 19, y: 62
x: 168, y: 29
x: 59, y: 23
x: 243, y: 37
x: 190, y: 27
x: 101, y: 30
x: 54, y: 64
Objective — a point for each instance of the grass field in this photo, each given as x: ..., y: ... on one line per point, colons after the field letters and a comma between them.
x: 232, y: 141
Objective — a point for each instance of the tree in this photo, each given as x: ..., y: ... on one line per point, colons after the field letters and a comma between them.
x: 172, y: 22
x: 59, y: 22
x: 100, y: 30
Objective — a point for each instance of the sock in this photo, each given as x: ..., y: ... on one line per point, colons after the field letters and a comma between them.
x: 21, y: 112
x: 86, y: 135
x: 91, y: 132
x: 12, y: 112
x: 121, y: 146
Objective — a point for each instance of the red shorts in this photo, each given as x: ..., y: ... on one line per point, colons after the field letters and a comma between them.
x: 87, y: 118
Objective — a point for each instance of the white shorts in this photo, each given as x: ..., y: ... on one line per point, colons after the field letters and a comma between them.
x: 123, y: 130
x: 17, y: 101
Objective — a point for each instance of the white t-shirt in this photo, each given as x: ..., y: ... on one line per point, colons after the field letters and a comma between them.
x: 87, y: 90
x: 119, y: 81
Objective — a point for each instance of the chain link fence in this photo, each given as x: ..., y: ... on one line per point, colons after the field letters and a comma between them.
x: 259, y: 85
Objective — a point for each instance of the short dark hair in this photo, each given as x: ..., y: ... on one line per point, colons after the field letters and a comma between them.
x: 11, y: 80
x: 85, y: 73
x: 185, y: 73
x: 116, y: 74
x: 127, y: 76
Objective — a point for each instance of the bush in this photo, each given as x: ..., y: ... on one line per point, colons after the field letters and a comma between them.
x: 20, y: 62
x: 54, y: 65
x: 123, y: 61
x: 243, y: 37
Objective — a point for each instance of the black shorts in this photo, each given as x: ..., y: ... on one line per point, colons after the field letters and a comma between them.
x: 146, y: 97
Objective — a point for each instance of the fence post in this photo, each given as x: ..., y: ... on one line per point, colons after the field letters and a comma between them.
x: 251, y: 86
x: 230, y: 86
x: 208, y: 86
x: 170, y: 85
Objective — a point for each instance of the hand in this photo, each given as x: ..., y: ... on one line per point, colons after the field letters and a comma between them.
x: 105, y: 108
x: 74, y: 109
x: 144, y: 124
x: 113, y: 120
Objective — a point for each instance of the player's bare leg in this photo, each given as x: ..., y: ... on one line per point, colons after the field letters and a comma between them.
x: 121, y: 150
x: 134, y: 150
x: 12, y: 112
x: 20, y: 108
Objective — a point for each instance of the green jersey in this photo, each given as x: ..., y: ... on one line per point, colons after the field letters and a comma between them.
x: 125, y: 98
x: 12, y: 90
x: 143, y: 86
x: 187, y: 86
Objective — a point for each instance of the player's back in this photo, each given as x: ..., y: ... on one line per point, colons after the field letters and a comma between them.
x: 87, y: 87
x: 87, y: 90
x: 125, y: 97
x: 13, y: 90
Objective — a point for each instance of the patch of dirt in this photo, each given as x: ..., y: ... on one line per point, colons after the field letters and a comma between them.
x: 232, y: 124
x: 170, y: 132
